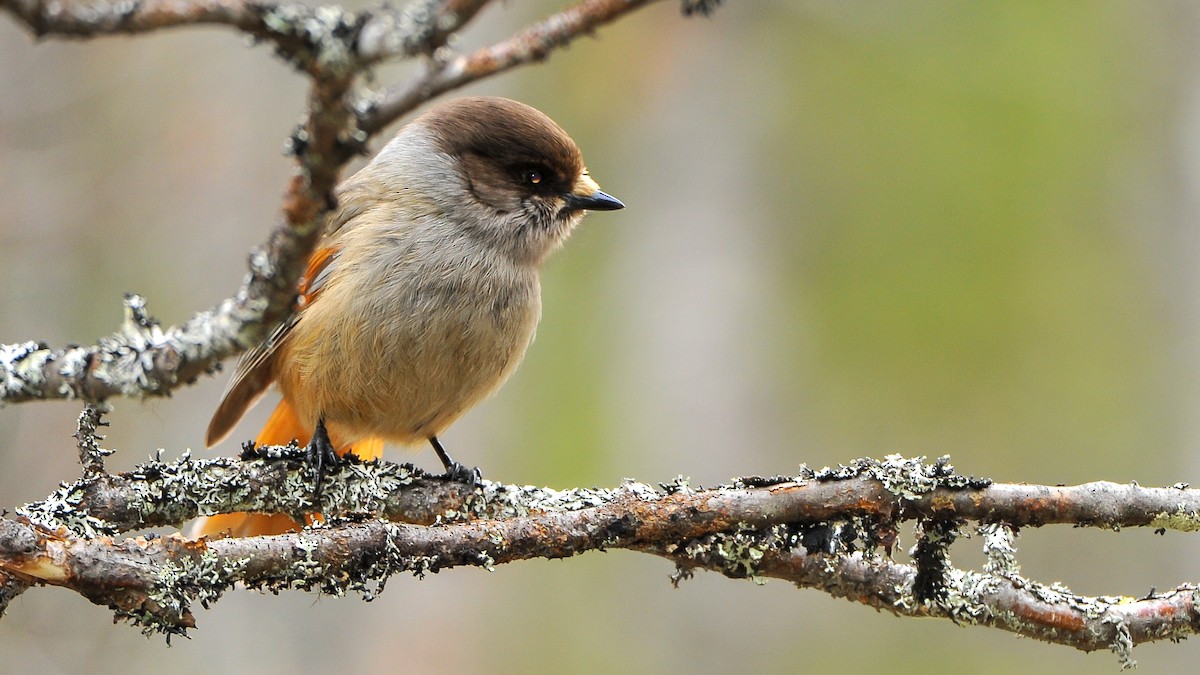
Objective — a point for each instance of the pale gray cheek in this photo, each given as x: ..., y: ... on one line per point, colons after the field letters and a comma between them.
x: 451, y: 191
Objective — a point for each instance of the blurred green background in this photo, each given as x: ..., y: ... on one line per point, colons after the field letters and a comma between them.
x: 854, y: 228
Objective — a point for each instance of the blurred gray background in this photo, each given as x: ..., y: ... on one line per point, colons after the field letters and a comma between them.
x: 853, y: 228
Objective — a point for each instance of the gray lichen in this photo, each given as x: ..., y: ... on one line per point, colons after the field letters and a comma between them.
x: 1182, y: 520
x: 22, y: 368
x: 326, y: 33
x: 906, y: 477
x: 1000, y: 549
x: 498, y: 500
x: 202, y: 578
x: 409, y: 30
x: 735, y: 554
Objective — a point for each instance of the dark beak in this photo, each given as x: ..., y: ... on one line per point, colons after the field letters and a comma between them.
x: 597, y: 201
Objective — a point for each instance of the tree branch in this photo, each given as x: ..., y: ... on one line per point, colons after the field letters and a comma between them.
x: 295, y: 29
x: 86, y: 20
x: 822, y: 529
x: 276, y: 479
x: 1008, y: 602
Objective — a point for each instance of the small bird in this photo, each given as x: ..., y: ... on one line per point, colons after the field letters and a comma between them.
x: 423, y: 294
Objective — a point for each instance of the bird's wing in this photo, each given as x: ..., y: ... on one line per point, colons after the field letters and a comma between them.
x: 256, y: 370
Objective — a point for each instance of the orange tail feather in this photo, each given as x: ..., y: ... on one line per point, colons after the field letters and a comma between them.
x: 281, y: 428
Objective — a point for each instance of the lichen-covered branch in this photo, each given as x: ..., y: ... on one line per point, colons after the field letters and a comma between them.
x: 85, y: 20
x: 299, y: 32
x: 833, y: 530
x: 143, y: 359
x: 276, y: 480
x: 1051, y: 613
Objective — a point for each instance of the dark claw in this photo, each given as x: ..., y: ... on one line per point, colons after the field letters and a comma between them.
x: 467, y: 475
x: 454, y: 471
x: 320, y: 455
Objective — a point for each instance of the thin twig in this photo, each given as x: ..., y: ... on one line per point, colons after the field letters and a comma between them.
x: 531, y: 45
x: 88, y: 437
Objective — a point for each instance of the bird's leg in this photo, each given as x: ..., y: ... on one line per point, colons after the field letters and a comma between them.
x: 455, y: 471
x: 320, y: 455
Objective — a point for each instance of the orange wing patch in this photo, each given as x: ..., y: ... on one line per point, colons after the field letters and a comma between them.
x: 316, y: 273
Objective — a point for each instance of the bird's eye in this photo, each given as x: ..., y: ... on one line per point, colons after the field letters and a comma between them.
x: 532, y: 176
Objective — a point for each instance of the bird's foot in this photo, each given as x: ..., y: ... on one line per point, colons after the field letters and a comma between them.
x: 321, y: 457
x: 456, y: 472
x: 467, y: 475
